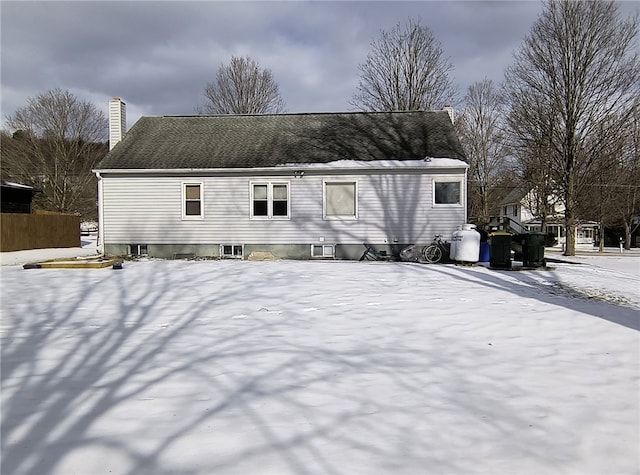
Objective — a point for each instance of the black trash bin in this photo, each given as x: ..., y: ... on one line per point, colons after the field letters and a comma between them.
x: 533, y: 249
x: 500, y: 250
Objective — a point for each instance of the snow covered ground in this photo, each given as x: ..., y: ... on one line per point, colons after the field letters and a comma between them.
x: 237, y: 367
x: 18, y: 258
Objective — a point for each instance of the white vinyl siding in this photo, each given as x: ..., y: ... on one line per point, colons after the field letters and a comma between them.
x: 390, y: 207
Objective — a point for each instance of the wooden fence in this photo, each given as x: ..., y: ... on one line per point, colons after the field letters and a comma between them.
x: 39, y: 230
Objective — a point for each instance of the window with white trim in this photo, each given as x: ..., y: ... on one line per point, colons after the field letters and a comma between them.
x: 447, y: 193
x: 340, y: 200
x: 270, y: 200
x: 138, y: 250
x: 228, y: 251
x: 192, y: 204
x: 322, y: 250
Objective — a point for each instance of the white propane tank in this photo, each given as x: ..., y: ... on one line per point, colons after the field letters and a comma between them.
x: 468, y: 244
x: 454, y: 242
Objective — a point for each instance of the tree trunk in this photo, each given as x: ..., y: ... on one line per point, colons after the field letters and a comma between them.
x: 570, y: 247
x: 569, y: 212
x: 601, y: 238
x: 627, y: 235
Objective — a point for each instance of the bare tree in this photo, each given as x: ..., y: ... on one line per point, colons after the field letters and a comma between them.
x: 532, y: 160
x: 242, y: 87
x: 626, y: 182
x: 576, y: 71
x: 57, y: 139
x: 406, y: 70
x: 481, y: 131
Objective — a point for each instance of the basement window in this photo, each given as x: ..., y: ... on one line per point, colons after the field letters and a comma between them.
x: 231, y: 251
x: 138, y: 250
x: 322, y: 250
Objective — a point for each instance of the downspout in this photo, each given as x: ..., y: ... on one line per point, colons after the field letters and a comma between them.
x: 466, y: 198
x: 100, y: 243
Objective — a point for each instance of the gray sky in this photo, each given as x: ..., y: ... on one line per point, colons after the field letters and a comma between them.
x: 158, y: 56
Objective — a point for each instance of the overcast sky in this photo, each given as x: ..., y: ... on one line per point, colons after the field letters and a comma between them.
x: 159, y: 56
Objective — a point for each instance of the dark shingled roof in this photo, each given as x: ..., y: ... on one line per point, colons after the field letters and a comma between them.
x: 515, y: 195
x: 247, y: 141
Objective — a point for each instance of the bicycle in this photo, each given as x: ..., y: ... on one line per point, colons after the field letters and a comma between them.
x: 372, y: 254
x: 434, y: 252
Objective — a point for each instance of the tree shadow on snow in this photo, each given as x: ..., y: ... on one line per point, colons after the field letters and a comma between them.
x: 546, y: 287
x: 219, y: 367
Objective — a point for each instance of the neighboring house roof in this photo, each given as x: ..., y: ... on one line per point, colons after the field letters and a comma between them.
x: 515, y: 196
x: 268, y: 140
x: 17, y: 186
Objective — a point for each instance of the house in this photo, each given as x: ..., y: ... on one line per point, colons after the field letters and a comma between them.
x: 16, y: 198
x: 529, y: 209
x: 294, y: 186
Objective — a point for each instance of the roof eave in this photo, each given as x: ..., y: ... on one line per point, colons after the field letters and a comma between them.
x: 269, y: 170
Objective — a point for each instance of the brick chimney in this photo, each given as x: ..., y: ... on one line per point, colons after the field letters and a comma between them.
x: 117, y: 121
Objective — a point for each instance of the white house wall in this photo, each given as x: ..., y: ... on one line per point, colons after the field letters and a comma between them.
x: 391, y: 208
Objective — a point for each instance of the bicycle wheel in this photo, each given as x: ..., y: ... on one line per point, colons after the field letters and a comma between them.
x: 432, y: 254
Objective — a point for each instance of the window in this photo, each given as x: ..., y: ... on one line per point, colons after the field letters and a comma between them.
x: 138, y: 250
x: 231, y: 251
x: 192, y: 201
x: 322, y: 250
x: 515, y: 210
x: 270, y: 200
x: 447, y: 193
x: 340, y: 200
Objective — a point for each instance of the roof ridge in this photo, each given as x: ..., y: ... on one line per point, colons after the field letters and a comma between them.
x: 289, y: 114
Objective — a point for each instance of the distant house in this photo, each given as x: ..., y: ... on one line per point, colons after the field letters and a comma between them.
x: 533, y: 211
x: 295, y: 186
x: 16, y: 198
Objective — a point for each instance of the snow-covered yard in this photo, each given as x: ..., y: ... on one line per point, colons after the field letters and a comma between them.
x: 236, y: 367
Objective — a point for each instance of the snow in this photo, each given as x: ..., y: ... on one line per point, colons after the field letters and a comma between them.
x: 321, y: 367
x: 11, y: 184
x: 427, y: 162
x: 18, y: 258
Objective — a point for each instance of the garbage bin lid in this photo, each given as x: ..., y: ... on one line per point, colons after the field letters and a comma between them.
x: 499, y: 233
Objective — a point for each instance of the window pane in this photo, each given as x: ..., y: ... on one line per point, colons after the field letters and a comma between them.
x: 279, y: 192
x: 259, y: 192
x: 341, y: 199
x: 448, y: 192
x: 260, y: 208
x: 192, y: 192
x: 279, y: 208
x: 192, y: 208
